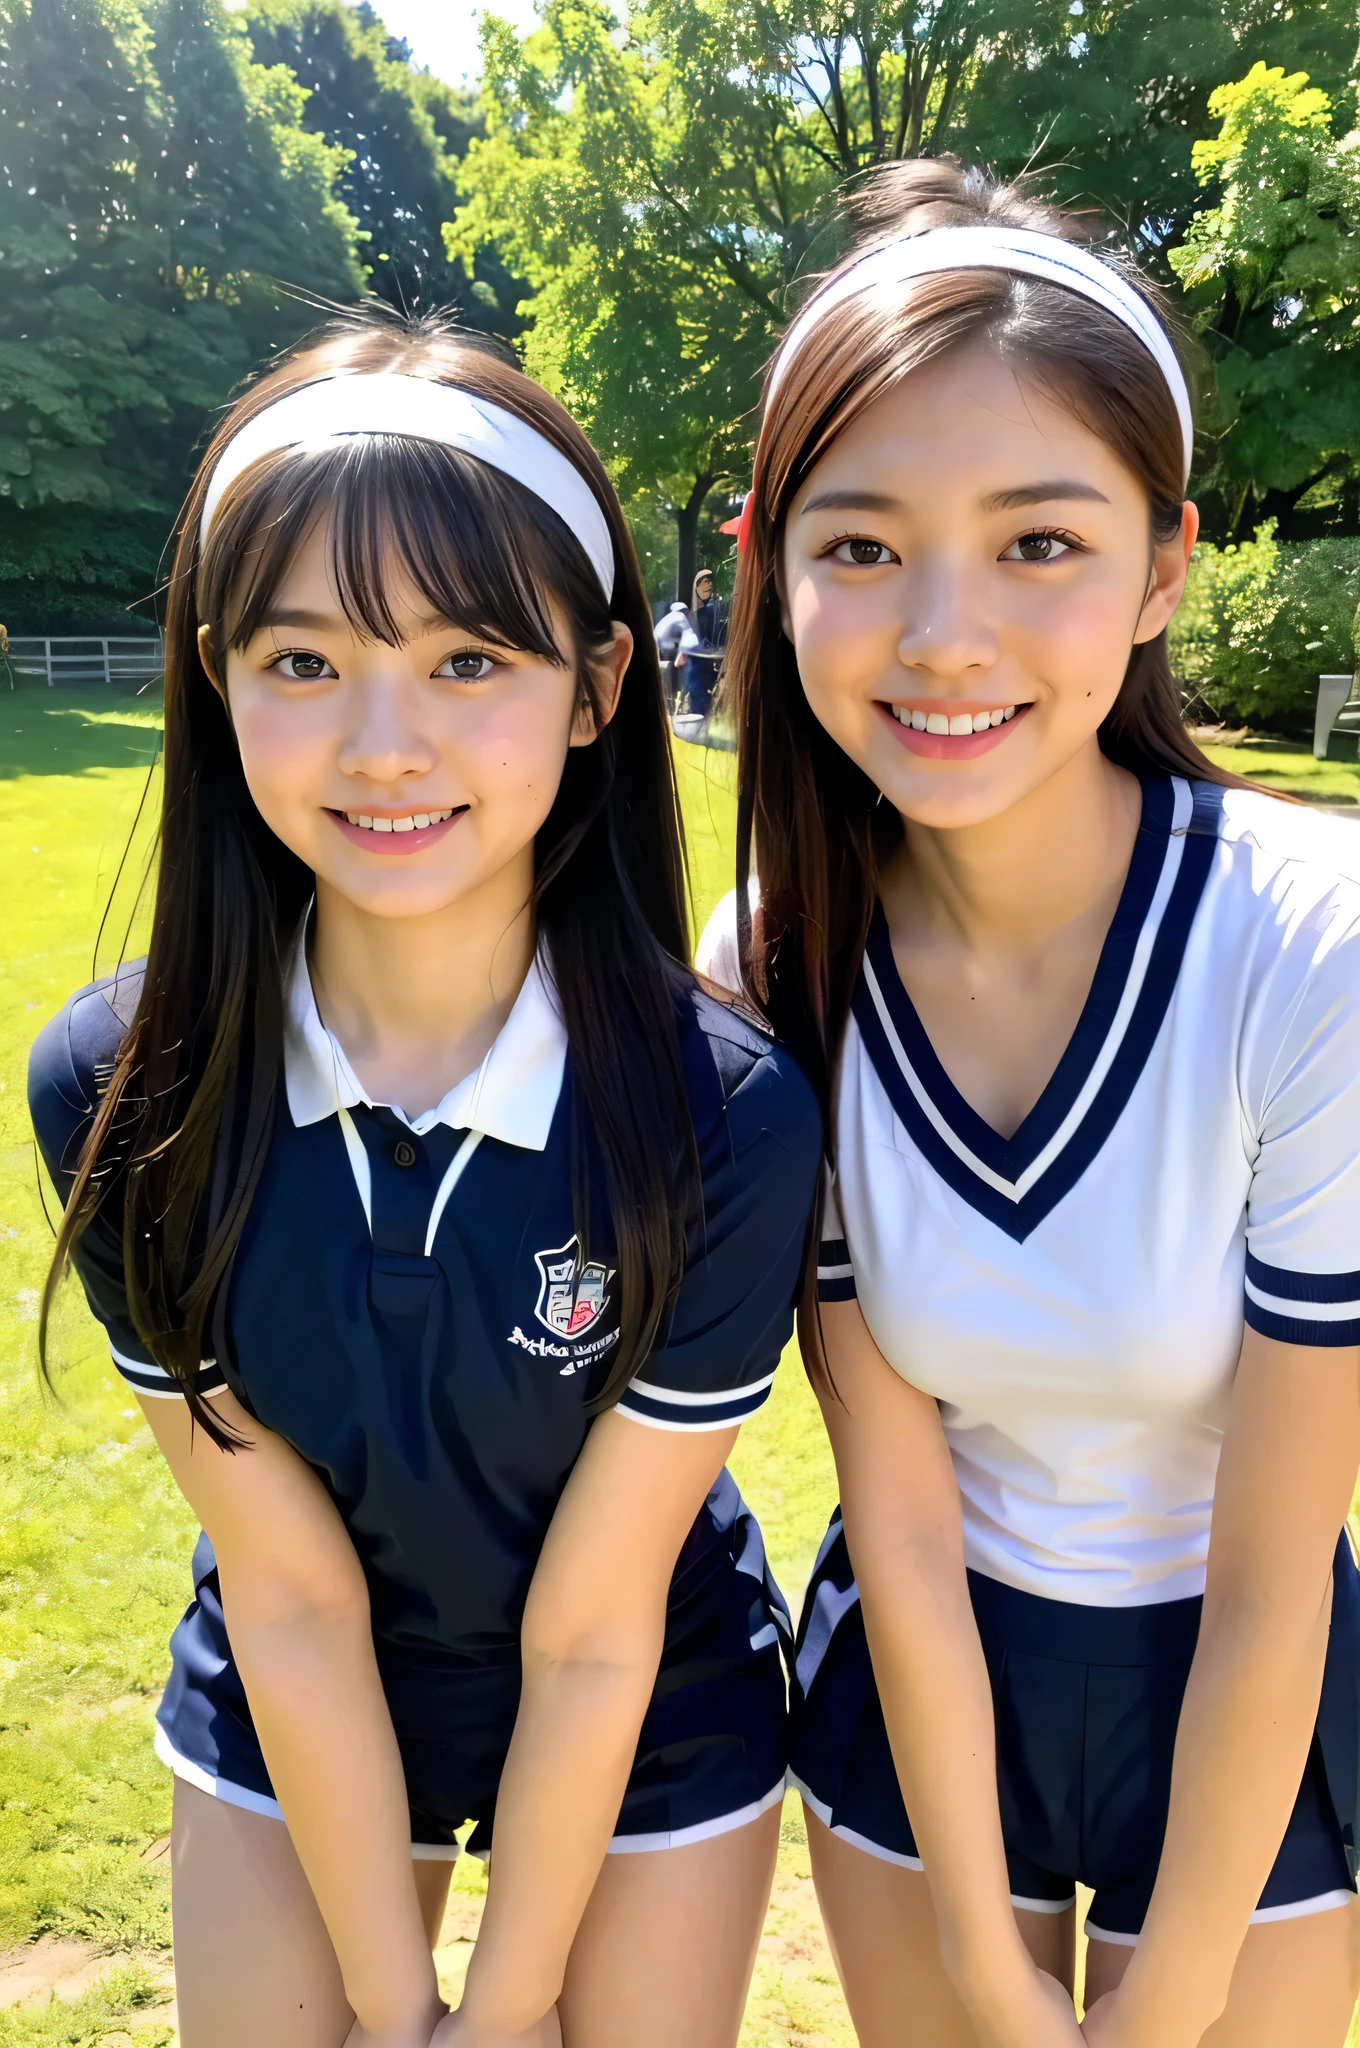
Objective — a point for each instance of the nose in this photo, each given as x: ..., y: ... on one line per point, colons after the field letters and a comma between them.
x: 945, y: 632
x: 387, y: 740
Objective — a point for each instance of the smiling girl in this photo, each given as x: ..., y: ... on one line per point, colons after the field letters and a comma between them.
x: 446, y: 1233
x: 1086, y: 1015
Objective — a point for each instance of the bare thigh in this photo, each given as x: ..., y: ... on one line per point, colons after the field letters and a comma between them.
x: 665, y: 1951
x: 253, y: 1960
x: 881, y: 1926
x: 1295, y: 1981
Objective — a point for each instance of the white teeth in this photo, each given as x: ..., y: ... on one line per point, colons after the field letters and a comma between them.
x: 937, y: 722
x: 918, y: 721
x: 1009, y: 711
x: 417, y: 823
x: 961, y: 724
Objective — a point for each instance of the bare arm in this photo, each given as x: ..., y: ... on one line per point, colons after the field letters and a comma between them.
x: 1285, y: 1482
x: 296, y: 1605
x: 904, y: 1532
x: 592, y: 1639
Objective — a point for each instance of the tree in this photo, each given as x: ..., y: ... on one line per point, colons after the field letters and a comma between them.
x: 156, y: 188
x: 684, y: 154
x: 1272, y: 275
x: 654, y: 347
x: 403, y: 132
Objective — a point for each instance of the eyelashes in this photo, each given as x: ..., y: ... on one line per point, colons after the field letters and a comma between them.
x: 1036, y: 546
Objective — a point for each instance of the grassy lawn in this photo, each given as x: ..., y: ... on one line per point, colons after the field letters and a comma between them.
x: 95, y: 1563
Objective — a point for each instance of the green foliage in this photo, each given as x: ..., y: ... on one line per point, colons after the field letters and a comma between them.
x: 158, y: 187
x: 128, y: 1997
x: 652, y: 342
x: 1262, y: 620
x: 402, y: 132
x: 1272, y: 273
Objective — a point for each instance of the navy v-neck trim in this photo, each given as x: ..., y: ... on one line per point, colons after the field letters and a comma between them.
x: 955, y: 1139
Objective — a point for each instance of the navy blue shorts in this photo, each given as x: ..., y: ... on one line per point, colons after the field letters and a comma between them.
x: 1087, y: 1701
x: 710, y: 1757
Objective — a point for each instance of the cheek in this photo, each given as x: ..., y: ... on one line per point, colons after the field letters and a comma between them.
x: 1077, y: 640
x: 842, y: 638
x: 285, y: 750
x: 513, y: 747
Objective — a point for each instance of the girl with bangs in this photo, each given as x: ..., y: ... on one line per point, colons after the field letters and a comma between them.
x: 446, y: 1233
x: 1084, y: 1012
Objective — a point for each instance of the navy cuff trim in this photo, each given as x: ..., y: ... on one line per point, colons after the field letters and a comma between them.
x: 1318, y: 1287
x: 154, y: 1382
x: 837, y: 1287
x: 1297, y: 1330
x: 666, y: 1410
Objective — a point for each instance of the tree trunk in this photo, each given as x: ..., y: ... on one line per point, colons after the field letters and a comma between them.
x: 687, y: 537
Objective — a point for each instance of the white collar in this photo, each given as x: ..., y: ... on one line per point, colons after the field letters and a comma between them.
x: 510, y: 1096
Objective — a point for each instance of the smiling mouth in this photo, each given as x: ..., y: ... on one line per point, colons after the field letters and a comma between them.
x: 939, y: 734
x: 390, y: 832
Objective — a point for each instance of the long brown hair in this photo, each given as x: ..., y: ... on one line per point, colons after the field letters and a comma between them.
x: 809, y: 821
x: 182, y: 1128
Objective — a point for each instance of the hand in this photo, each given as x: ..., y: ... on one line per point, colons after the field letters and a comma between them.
x: 1042, y: 2016
x: 1112, y: 2023
x: 459, y: 2030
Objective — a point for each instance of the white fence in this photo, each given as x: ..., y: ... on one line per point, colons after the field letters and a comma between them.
x: 129, y: 658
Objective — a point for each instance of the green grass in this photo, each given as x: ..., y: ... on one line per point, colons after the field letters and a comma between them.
x: 1277, y: 764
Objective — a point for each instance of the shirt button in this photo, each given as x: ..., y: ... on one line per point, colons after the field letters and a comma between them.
x: 404, y: 1152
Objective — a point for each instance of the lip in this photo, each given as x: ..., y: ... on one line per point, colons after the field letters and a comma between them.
x: 939, y: 746
x: 389, y: 845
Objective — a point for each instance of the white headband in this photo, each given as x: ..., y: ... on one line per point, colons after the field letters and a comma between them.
x: 999, y: 248
x: 323, y: 415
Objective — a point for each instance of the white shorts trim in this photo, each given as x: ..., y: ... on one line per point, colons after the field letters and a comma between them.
x: 678, y: 1838
x: 257, y: 1802
x: 1301, y: 1909
x: 856, y: 1841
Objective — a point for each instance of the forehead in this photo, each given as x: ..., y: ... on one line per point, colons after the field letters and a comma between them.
x: 970, y: 422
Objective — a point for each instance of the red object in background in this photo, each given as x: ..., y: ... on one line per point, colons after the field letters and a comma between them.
x: 730, y: 526
x: 744, y: 523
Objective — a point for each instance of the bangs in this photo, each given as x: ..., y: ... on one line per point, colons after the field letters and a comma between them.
x: 404, y: 517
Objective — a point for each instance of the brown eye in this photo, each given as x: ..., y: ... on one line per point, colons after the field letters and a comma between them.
x: 467, y: 667
x: 865, y: 554
x: 303, y: 668
x: 1037, y: 547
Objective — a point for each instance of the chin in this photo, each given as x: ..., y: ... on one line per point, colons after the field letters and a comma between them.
x: 951, y: 798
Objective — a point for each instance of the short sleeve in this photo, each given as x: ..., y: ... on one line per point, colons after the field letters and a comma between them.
x: 1303, y: 1209
x: 835, y: 1271
x: 733, y: 1315
x: 70, y: 1063
x: 717, y: 956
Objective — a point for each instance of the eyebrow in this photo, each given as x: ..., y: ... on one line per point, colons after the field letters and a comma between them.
x: 1041, y: 494
x: 308, y: 622
x: 850, y: 501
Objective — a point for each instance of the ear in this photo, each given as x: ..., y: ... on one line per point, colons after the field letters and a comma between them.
x: 205, y: 655
x: 608, y: 668
x: 1166, y: 583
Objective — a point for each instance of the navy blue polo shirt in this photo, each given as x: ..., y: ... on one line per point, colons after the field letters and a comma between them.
x: 410, y: 1308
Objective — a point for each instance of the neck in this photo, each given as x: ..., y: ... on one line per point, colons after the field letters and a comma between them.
x: 417, y: 1002
x: 1010, y: 883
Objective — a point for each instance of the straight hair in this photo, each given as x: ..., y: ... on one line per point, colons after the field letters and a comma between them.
x: 809, y: 821
x: 182, y: 1128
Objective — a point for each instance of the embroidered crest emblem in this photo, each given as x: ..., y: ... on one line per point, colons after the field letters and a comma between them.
x: 573, y: 1294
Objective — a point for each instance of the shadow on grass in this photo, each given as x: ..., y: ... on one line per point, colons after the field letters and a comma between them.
x: 77, y: 732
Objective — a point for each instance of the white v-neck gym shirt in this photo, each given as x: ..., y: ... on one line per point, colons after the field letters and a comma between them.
x: 1074, y: 1296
